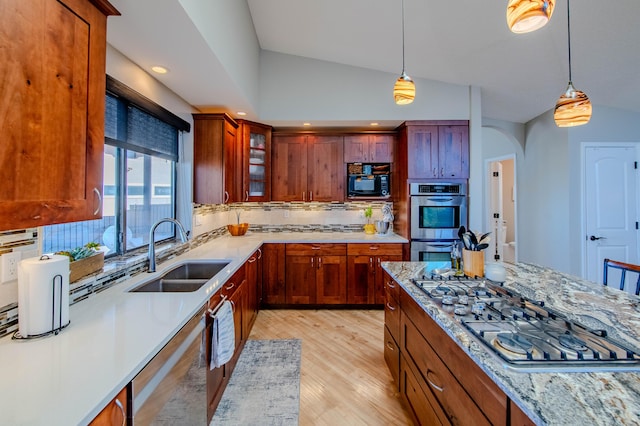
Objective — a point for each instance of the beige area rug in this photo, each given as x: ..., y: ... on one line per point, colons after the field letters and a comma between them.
x: 264, y: 388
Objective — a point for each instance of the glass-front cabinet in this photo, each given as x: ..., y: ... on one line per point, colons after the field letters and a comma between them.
x: 256, y: 167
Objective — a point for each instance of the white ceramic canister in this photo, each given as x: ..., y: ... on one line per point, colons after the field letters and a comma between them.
x: 495, y: 272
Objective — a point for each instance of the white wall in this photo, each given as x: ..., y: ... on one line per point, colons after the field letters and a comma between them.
x: 227, y: 28
x: 296, y: 88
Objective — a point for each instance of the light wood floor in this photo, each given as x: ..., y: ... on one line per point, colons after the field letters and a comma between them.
x: 344, y: 378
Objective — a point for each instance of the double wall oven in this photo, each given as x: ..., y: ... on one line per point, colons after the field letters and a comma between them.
x: 438, y: 209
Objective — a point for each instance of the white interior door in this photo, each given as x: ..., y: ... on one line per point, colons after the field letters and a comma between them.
x: 610, y: 207
x: 495, y: 211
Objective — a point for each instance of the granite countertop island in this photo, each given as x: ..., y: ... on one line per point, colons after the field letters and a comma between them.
x: 68, y: 378
x: 553, y: 398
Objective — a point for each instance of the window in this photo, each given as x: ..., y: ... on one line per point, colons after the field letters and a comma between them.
x: 140, y: 155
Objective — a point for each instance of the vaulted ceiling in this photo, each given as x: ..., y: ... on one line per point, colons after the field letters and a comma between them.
x: 463, y: 42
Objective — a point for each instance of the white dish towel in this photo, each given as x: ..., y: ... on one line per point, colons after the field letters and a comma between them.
x: 223, y: 341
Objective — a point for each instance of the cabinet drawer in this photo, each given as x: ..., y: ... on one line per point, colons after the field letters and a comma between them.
x: 423, y: 406
x: 451, y: 396
x: 391, y: 286
x: 486, y: 394
x: 229, y: 288
x: 374, y: 249
x: 392, y: 356
x: 298, y: 249
x: 392, y: 316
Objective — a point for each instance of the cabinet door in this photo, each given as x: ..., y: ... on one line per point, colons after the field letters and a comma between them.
x: 289, y: 168
x: 423, y: 406
x: 453, y: 152
x: 380, y: 148
x: 273, y: 276
x: 380, y: 275
x: 232, y: 164
x: 331, y: 280
x: 325, y: 168
x: 239, y: 305
x: 300, y: 272
x: 251, y: 310
x: 115, y: 413
x: 256, y: 160
x: 52, y: 63
x: 361, y: 279
x: 422, y: 148
x: 356, y: 149
x: 215, y: 157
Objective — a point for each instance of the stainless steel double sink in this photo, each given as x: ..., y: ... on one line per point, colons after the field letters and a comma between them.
x: 186, y: 277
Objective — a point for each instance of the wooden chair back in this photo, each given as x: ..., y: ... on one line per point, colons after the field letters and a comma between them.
x: 623, y: 267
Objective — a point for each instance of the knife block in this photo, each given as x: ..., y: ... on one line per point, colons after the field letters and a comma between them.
x: 473, y: 263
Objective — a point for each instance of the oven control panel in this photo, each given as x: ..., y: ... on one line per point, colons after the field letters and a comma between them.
x: 433, y: 188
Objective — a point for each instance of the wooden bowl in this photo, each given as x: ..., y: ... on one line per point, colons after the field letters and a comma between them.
x: 238, y: 230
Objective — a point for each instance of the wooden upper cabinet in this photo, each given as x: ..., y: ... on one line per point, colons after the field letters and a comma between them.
x: 368, y: 148
x: 325, y: 171
x: 307, y: 168
x: 422, y: 151
x: 255, y: 140
x: 215, y: 159
x: 52, y: 79
x: 437, y: 151
x: 453, y: 151
x: 289, y: 172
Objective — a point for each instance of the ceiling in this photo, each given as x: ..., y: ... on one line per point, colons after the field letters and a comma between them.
x: 464, y: 42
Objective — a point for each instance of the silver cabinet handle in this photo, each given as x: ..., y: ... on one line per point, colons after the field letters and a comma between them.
x: 226, y: 197
x: 391, y: 308
x: 319, y: 262
x: 95, y: 213
x: 229, y: 287
x: 252, y: 259
x: 390, y: 285
x: 124, y: 416
x: 390, y: 346
x: 246, y: 197
x: 435, y: 172
x: 259, y: 254
x: 433, y: 385
x: 312, y: 261
x: 442, y: 171
x: 310, y: 195
x: 304, y: 195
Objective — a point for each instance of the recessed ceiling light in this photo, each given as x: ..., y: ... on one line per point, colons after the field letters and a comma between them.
x: 306, y: 124
x: 242, y: 113
x: 159, y: 69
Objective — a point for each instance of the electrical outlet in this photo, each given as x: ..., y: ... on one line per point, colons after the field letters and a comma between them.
x: 10, y: 266
x: 285, y: 213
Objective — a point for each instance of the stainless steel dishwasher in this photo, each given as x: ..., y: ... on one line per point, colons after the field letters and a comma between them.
x: 171, y: 389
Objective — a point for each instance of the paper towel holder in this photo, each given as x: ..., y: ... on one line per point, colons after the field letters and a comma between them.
x: 56, y: 281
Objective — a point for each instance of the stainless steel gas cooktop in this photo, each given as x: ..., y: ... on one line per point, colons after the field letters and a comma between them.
x: 525, y: 334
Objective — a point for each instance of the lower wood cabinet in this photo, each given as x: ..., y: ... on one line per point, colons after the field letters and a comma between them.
x: 437, y: 380
x: 217, y: 379
x: 115, y: 413
x: 273, y: 277
x: 365, y: 273
x: 253, y: 291
x: 316, y: 274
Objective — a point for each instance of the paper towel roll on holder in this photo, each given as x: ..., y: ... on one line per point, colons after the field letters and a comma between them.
x: 56, y: 281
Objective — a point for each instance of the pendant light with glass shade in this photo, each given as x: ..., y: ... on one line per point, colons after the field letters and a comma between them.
x: 524, y: 16
x: 573, y: 108
x: 404, y: 91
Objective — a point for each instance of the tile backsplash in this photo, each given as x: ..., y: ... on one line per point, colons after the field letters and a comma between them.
x: 208, y: 222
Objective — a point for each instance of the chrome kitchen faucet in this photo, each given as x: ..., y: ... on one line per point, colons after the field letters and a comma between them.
x: 152, y: 247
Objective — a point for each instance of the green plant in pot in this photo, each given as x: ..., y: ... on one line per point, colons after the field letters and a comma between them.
x: 472, y: 255
x: 369, y: 228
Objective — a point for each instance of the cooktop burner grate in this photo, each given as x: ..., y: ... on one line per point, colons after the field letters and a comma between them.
x: 523, y: 333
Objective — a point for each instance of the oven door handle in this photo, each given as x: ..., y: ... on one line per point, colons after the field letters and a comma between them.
x: 440, y: 245
x: 441, y: 199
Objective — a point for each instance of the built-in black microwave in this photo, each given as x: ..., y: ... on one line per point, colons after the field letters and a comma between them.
x: 368, y: 180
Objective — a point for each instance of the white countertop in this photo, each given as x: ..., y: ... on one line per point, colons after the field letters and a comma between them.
x: 68, y: 378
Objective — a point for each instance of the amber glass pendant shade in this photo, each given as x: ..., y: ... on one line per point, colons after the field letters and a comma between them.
x: 404, y: 91
x: 524, y: 16
x: 572, y: 109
